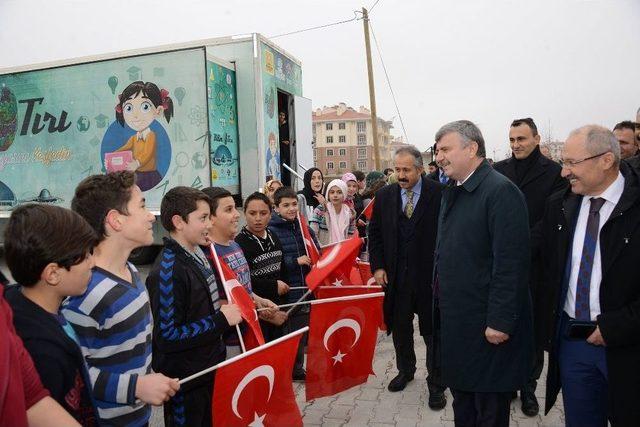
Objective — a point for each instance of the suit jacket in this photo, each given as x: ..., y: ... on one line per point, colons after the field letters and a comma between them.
x: 619, y: 320
x: 482, y: 263
x: 541, y: 181
x: 383, y: 245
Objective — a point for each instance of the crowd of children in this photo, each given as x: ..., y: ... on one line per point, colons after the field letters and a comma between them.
x: 103, y: 344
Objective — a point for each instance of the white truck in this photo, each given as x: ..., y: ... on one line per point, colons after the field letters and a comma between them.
x: 210, y: 118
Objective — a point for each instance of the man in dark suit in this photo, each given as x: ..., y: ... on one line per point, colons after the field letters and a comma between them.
x: 538, y: 178
x: 590, y: 256
x: 402, y: 236
x: 481, y: 297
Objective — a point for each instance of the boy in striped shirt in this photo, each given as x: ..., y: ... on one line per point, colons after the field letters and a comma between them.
x: 112, y: 319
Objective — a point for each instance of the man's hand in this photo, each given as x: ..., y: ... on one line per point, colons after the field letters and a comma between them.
x: 155, y: 389
x: 381, y: 277
x: 304, y: 260
x: 283, y: 288
x: 596, y: 338
x: 285, y: 142
x: 495, y: 337
x: 278, y: 318
x: 231, y: 313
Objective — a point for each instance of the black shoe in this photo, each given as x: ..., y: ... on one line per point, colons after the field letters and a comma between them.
x: 437, y: 400
x: 299, y: 375
x: 400, y: 382
x: 530, y: 405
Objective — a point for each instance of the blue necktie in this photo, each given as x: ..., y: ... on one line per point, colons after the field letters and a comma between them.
x: 583, y: 311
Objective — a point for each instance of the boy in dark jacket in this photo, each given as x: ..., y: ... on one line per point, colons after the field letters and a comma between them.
x: 49, y: 266
x: 284, y: 224
x: 188, y: 318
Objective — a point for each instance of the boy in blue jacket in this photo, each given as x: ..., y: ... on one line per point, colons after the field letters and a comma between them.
x: 284, y: 224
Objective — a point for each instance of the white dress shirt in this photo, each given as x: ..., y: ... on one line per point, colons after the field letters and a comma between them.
x: 611, y: 196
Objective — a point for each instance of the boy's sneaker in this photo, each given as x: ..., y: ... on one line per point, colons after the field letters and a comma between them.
x: 299, y: 375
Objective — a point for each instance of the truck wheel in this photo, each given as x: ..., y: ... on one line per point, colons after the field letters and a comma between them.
x: 144, y: 255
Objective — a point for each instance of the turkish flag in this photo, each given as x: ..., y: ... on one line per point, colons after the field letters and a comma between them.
x: 256, y: 388
x: 309, y: 245
x: 342, y: 340
x: 368, y: 210
x: 237, y: 294
x: 335, y: 264
x: 365, y: 272
x: 323, y: 292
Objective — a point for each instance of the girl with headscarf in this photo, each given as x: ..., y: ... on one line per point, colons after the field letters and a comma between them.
x: 352, y: 189
x: 310, y: 197
x: 334, y: 221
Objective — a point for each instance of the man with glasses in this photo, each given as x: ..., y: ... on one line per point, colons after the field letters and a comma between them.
x: 538, y: 178
x: 590, y: 246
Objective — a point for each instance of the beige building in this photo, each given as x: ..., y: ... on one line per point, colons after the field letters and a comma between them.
x: 343, y: 140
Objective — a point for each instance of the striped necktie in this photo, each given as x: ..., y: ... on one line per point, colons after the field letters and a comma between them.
x: 583, y: 311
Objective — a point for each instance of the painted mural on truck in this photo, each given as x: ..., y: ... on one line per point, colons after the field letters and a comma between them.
x: 223, y: 127
x: 145, y: 113
x: 278, y: 72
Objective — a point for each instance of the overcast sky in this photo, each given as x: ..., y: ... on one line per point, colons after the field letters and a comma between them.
x: 564, y: 62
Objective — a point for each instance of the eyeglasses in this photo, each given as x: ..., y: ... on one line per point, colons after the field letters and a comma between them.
x: 572, y: 163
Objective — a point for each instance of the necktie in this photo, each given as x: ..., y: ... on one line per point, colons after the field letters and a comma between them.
x: 408, y: 209
x: 583, y: 311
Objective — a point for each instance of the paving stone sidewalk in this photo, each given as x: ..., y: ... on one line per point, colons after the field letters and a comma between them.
x: 371, y: 404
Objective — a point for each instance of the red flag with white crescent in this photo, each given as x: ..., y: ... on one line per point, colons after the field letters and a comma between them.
x: 237, y: 294
x: 255, y: 388
x: 323, y: 292
x: 335, y: 264
x: 312, y: 250
x: 342, y: 341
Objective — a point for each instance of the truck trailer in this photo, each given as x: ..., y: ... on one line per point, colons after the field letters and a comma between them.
x: 203, y: 113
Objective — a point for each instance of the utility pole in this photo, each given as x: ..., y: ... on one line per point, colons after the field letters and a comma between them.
x: 372, y: 91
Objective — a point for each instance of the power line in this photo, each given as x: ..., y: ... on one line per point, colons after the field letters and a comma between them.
x: 355, y: 18
x: 374, y: 5
x: 393, y: 95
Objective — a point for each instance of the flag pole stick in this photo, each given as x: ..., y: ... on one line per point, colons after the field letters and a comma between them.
x: 293, y: 172
x: 365, y: 208
x: 226, y: 290
x: 302, y: 298
x: 301, y: 232
x: 240, y: 356
x: 334, y: 299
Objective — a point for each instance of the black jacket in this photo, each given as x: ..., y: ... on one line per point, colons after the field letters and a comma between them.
x: 483, y: 262
x: 383, y: 245
x: 56, y: 356
x: 619, y: 320
x: 265, y: 266
x: 187, y: 329
x: 541, y: 181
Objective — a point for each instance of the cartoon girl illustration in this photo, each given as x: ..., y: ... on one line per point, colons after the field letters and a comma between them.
x: 139, y: 105
x: 273, y: 165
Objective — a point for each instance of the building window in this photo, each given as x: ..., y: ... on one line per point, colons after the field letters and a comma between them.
x: 313, y: 141
x: 362, y: 153
x: 362, y: 139
x: 329, y: 126
x: 362, y: 126
x: 343, y: 152
x: 314, y: 129
x: 342, y: 138
x: 341, y: 126
x: 362, y: 165
x: 330, y: 165
x: 329, y: 151
x: 329, y: 140
x: 343, y: 165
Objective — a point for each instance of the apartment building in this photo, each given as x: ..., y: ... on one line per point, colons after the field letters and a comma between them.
x: 343, y: 140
